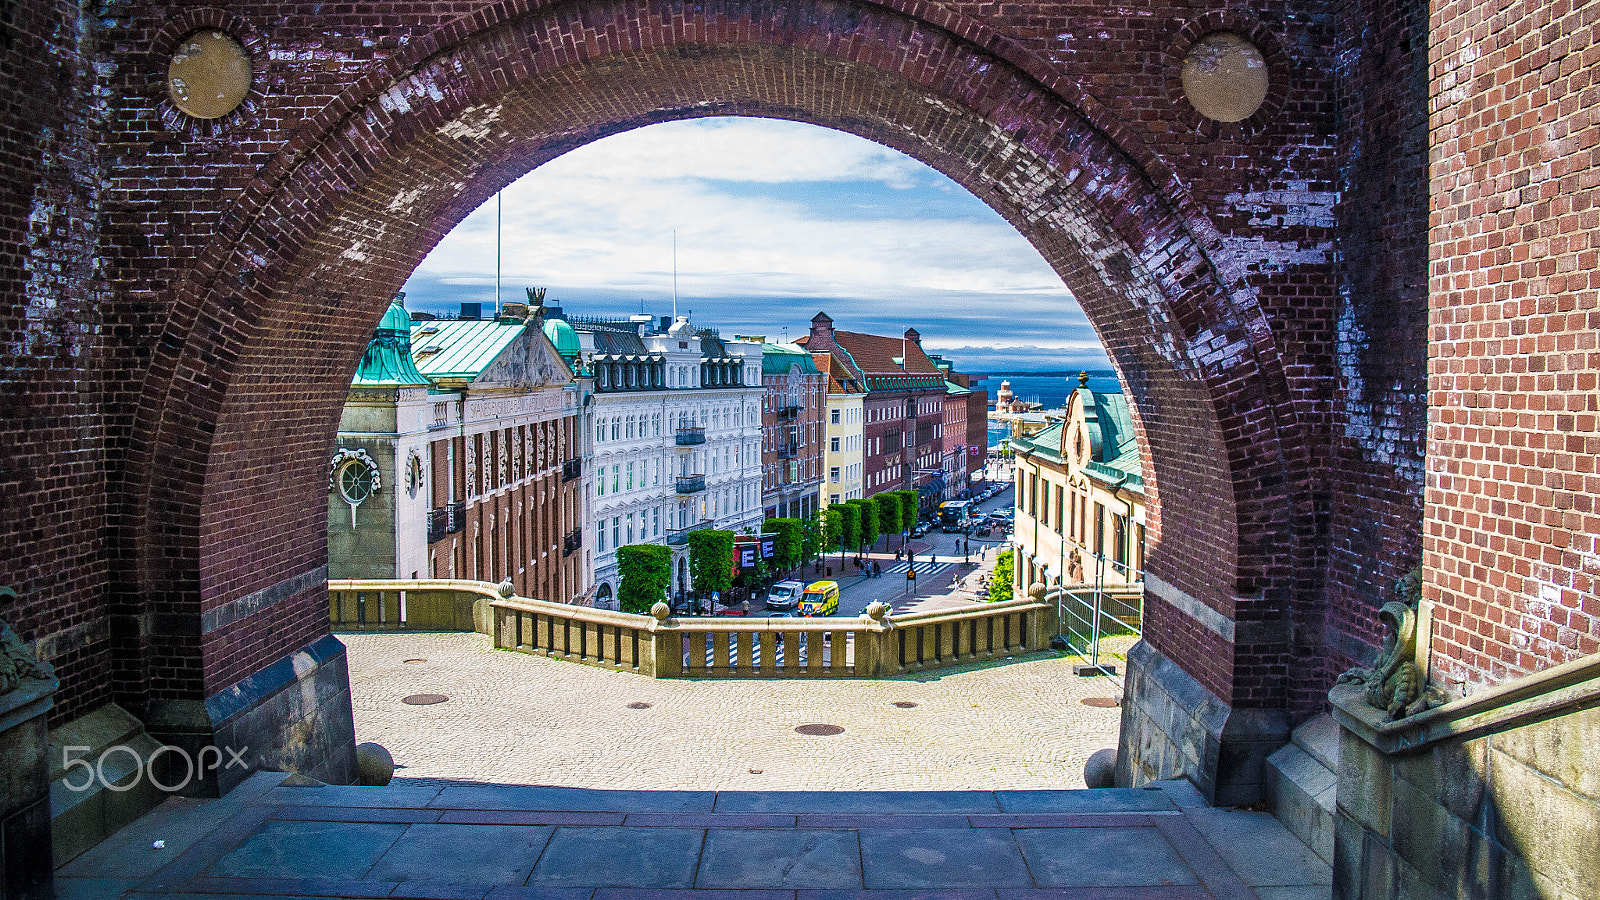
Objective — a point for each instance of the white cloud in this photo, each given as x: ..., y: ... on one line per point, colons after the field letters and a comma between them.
x: 789, y: 215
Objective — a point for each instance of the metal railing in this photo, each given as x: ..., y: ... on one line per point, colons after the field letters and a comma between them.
x: 874, y: 644
x: 679, y: 536
x: 447, y: 519
x: 571, y: 469
x: 688, y: 435
x: 572, y: 542
x: 691, y: 484
x: 1096, y: 612
x: 789, y: 412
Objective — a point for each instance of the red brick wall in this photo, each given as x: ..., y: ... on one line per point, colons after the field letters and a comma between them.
x: 246, y: 261
x: 53, y: 370
x: 1514, y: 314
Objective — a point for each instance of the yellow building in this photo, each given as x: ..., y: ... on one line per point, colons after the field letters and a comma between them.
x: 1080, y: 496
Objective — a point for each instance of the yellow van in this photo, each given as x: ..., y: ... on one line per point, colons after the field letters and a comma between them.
x: 820, y: 599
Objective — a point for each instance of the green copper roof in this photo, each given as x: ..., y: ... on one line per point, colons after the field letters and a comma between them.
x: 950, y: 387
x: 564, y: 338
x: 1116, y: 453
x: 388, y: 357
x: 460, y: 348
x: 778, y: 359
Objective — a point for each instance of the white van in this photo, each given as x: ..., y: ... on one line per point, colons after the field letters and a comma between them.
x: 784, y: 595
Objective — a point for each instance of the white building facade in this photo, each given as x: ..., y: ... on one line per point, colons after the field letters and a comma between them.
x: 677, y: 439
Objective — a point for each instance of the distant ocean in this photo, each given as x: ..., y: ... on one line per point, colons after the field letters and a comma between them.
x: 1051, y: 390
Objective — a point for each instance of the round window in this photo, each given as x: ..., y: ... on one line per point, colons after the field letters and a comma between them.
x: 355, y: 481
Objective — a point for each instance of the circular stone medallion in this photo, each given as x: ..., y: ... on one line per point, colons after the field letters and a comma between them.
x: 820, y: 729
x: 424, y: 699
x: 209, y: 75
x: 1225, y: 77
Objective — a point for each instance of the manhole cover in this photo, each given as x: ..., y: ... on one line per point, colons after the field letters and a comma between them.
x: 417, y: 660
x: 1102, y: 702
x: 638, y: 704
x: 820, y: 729
x: 424, y: 699
x: 904, y: 704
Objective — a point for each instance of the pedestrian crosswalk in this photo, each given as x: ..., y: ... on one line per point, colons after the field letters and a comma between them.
x: 925, y: 569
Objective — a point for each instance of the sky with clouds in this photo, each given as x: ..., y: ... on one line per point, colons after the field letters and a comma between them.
x: 775, y: 221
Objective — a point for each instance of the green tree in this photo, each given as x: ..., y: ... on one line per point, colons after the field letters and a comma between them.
x: 850, y: 524
x: 789, y: 542
x: 646, y: 571
x: 887, y: 507
x: 908, y: 508
x: 811, y: 538
x: 711, y: 561
x: 869, y: 522
x: 1000, y: 581
x: 833, y: 519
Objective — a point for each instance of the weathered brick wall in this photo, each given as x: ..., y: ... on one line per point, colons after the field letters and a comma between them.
x: 1514, y: 316
x: 247, y: 261
x: 1372, y: 505
x: 53, y: 512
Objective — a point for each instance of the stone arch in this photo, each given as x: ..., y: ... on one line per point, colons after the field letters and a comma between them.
x: 246, y: 384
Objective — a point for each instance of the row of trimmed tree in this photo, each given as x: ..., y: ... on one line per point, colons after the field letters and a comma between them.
x: 860, y: 523
x: 646, y: 569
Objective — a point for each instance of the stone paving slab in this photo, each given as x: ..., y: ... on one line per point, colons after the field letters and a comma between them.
x: 532, y: 797
x: 875, y: 802
x: 1106, y: 800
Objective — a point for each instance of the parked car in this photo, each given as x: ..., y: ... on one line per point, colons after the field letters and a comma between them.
x: 919, y: 529
x: 785, y: 595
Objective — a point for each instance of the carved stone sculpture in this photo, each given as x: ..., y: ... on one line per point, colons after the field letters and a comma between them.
x: 16, y: 660
x: 1394, y: 684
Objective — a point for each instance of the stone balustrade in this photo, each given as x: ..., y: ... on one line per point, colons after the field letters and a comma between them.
x: 874, y: 644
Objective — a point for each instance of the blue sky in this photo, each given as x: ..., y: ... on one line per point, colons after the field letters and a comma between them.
x: 775, y: 220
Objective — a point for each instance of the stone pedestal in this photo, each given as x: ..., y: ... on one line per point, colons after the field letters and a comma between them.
x: 25, y: 791
x: 291, y: 716
x: 1431, y: 811
x: 1172, y: 727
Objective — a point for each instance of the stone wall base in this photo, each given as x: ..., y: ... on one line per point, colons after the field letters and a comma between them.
x: 25, y: 790
x: 1172, y: 727
x: 291, y: 716
x: 1511, y: 816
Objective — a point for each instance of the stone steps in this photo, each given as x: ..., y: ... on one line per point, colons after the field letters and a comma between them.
x: 451, y: 839
x: 1302, y: 784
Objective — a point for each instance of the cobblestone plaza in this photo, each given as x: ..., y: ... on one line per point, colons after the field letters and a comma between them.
x: 520, y: 719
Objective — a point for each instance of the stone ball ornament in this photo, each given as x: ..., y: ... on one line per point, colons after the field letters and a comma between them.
x: 1225, y: 77
x: 374, y: 764
x: 209, y: 74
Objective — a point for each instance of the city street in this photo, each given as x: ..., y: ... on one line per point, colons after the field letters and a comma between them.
x: 939, y: 562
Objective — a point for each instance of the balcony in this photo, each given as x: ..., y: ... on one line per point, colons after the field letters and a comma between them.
x: 680, y: 536
x: 789, y: 412
x: 691, y: 484
x: 688, y: 435
x: 788, y: 451
x: 571, y: 469
x: 573, y: 541
x: 446, y: 520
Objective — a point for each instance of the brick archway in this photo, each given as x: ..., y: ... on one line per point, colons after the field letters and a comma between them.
x: 243, y: 395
